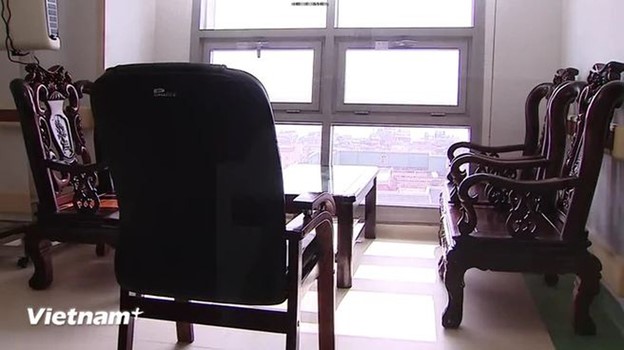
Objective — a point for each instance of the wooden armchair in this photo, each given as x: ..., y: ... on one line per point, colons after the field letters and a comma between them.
x: 216, y: 233
x: 533, y: 139
x: 557, y: 138
x: 70, y: 207
x: 543, y: 231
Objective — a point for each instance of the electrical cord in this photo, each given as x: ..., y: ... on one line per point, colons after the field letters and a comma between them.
x: 8, y: 41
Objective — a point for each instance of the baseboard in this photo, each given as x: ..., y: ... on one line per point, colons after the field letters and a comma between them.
x: 612, y: 265
x: 408, y: 232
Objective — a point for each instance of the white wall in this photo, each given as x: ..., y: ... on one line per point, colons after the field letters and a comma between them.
x: 527, y: 51
x: 8, y: 72
x: 13, y: 162
x: 173, y: 30
x: 143, y: 31
x: 130, y: 31
x: 590, y: 32
x: 80, y: 29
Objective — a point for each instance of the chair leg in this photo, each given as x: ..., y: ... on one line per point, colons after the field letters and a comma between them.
x: 551, y: 279
x: 292, y: 337
x: 454, y: 282
x: 38, y: 250
x: 587, y: 286
x: 326, y: 293
x: 101, y: 249
x: 185, y: 332
x: 126, y: 335
x: 442, y: 268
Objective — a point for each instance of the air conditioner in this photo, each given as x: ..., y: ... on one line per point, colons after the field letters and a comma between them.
x: 33, y: 24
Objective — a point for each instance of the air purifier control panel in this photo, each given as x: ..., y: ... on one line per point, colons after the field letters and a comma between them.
x: 52, y: 12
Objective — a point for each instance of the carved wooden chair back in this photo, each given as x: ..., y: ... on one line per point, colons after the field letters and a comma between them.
x: 583, y: 159
x: 537, y: 143
x: 48, y: 103
x: 532, y: 109
x: 564, y: 149
x: 599, y: 75
x: 546, y: 164
x: 558, y: 146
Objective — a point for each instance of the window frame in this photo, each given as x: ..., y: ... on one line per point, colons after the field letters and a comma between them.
x: 249, y: 43
x: 328, y: 113
x: 406, y: 43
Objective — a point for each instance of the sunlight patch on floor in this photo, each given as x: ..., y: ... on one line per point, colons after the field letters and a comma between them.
x: 397, y: 274
x: 387, y: 315
x: 401, y: 250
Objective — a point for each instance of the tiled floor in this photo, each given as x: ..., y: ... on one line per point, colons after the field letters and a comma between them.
x: 395, y: 303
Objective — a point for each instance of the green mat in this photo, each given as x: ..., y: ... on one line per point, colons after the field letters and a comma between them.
x: 555, y: 308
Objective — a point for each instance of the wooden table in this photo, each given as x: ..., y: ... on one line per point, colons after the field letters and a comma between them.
x: 350, y: 185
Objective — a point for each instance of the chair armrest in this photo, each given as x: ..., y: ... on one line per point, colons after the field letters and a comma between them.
x: 317, y: 209
x: 450, y: 153
x: 75, y: 169
x: 315, y: 201
x: 526, y: 197
x: 300, y: 227
x: 83, y: 87
x: 83, y: 179
x: 501, y: 166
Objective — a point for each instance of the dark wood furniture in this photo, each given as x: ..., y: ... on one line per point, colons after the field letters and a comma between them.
x: 557, y: 138
x: 70, y: 207
x: 542, y: 230
x: 546, y: 164
x: 214, y: 240
x: 533, y: 138
x: 350, y: 185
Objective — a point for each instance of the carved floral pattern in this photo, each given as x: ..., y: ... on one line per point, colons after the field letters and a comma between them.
x: 525, y: 216
x: 85, y: 198
x: 56, y: 104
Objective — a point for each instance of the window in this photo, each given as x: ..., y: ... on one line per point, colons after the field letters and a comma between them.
x: 299, y: 144
x: 404, y: 13
x: 403, y: 77
x: 258, y: 14
x: 288, y: 70
x: 286, y: 74
x: 412, y: 160
x: 345, y: 74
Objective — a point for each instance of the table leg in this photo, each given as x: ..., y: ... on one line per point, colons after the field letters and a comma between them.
x: 344, y: 256
x: 370, y: 212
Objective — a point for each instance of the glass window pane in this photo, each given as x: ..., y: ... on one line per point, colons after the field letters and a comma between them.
x: 261, y: 14
x: 299, y: 144
x: 412, y: 160
x: 402, y: 76
x: 405, y: 13
x: 287, y: 75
